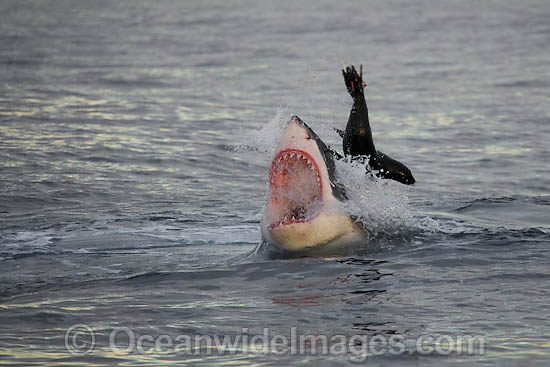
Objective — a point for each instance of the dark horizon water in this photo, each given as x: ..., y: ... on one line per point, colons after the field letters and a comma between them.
x: 135, y: 141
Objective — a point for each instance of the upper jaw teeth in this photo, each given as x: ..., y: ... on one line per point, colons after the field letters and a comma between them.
x: 298, y: 155
x: 302, y: 156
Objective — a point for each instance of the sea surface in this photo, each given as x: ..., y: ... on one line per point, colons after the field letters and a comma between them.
x: 135, y: 143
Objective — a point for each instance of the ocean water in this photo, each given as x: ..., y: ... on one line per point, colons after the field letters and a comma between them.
x: 135, y: 142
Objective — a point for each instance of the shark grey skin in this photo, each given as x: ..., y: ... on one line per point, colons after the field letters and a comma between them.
x: 304, y: 210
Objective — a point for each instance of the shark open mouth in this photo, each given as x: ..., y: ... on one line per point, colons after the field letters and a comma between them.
x: 295, y: 188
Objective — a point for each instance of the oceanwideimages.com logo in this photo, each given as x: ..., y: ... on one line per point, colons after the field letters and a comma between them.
x: 80, y: 339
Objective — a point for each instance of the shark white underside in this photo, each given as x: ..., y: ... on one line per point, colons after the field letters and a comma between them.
x: 327, y: 230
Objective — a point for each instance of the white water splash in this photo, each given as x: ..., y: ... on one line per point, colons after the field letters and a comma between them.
x: 266, y: 139
x: 382, y: 206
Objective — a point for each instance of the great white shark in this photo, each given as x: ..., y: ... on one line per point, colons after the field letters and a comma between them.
x: 304, y: 210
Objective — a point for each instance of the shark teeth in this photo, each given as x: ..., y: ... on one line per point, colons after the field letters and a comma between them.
x: 302, y: 156
x: 295, y: 188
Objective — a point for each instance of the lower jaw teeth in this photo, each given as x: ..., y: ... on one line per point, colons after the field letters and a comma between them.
x: 293, y: 218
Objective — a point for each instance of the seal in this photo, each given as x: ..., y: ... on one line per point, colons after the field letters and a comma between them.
x: 304, y: 210
x: 357, y: 138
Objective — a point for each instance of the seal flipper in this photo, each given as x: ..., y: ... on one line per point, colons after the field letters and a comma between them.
x: 391, y: 169
x: 358, y: 135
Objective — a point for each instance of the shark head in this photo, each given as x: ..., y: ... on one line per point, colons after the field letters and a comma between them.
x: 304, y: 208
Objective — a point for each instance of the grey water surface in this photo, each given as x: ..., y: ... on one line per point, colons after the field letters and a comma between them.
x: 132, y: 185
